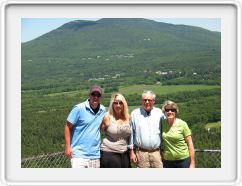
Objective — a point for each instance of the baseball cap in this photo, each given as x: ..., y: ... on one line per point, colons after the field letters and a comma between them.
x: 96, y: 88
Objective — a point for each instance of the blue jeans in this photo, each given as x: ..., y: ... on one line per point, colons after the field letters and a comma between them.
x: 185, y: 163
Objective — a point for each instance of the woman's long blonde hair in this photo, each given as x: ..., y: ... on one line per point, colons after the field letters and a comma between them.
x: 111, y: 111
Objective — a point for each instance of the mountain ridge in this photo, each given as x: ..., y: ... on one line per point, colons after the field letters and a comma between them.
x: 87, y: 49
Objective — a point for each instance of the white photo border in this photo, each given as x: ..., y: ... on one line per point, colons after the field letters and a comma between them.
x: 10, y: 166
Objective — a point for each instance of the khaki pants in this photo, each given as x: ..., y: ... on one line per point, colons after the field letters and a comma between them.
x: 149, y: 159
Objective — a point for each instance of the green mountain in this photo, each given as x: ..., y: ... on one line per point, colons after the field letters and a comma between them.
x: 121, y: 51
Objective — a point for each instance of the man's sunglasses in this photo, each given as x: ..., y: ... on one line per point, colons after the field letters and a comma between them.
x: 95, y: 94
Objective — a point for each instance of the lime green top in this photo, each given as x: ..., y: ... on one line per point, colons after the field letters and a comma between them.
x: 175, y: 146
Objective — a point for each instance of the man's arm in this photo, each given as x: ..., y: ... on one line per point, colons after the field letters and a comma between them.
x: 132, y: 154
x: 67, y: 133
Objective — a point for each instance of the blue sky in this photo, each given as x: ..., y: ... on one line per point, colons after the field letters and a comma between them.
x: 32, y: 28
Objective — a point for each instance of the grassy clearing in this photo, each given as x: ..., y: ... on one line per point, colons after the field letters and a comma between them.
x: 213, y: 125
x: 138, y: 89
x: 158, y: 89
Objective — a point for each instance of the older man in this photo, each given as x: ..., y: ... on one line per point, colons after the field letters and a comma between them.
x: 82, y: 131
x: 145, y: 139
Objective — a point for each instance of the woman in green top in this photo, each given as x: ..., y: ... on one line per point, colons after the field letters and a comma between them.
x: 178, y: 149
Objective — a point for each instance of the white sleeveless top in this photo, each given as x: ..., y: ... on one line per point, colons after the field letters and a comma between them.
x: 116, y: 138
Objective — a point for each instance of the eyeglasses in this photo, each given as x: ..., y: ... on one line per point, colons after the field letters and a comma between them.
x: 149, y: 100
x: 95, y: 94
x: 171, y: 109
x: 118, y: 102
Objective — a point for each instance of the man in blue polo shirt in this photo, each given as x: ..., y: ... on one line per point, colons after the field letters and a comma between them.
x: 82, y: 131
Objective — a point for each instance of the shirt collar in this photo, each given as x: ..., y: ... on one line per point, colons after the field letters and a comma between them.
x: 87, y: 105
x: 143, y: 112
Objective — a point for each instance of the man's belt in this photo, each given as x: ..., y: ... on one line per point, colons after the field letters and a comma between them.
x: 147, y: 150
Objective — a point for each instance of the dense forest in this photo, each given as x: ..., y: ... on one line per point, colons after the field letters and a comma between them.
x: 44, y: 116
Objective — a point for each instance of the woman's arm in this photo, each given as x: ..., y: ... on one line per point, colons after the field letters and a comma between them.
x: 105, y: 122
x: 191, y: 150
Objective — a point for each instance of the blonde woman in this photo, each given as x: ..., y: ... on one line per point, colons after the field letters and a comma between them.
x: 117, y: 130
x: 178, y: 149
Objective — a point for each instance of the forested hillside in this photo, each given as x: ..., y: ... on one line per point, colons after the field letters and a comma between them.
x: 126, y: 51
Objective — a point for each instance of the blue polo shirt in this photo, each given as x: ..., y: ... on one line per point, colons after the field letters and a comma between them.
x: 85, y: 136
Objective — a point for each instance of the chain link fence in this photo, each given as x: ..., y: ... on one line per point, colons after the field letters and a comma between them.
x: 54, y: 160
x: 205, y: 158
x: 208, y: 158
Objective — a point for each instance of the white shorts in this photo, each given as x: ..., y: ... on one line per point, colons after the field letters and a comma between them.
x: 85, y: 163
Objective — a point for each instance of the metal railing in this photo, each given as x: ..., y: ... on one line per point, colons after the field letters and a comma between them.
x: 205, y: 158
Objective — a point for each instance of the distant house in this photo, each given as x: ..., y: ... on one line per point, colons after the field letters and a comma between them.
x: 158, y: 72
x: 116, y: 76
